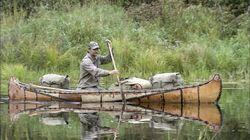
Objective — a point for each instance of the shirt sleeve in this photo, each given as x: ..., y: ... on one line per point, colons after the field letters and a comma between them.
x: 106, y: 59
x: 92, y: 69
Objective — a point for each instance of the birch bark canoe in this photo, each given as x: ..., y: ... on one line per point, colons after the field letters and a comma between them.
x: 206, y: 92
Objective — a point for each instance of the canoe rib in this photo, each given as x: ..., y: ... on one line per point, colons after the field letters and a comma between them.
x: 208, y: 92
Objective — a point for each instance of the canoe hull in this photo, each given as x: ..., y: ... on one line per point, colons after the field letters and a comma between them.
x: 207, y: 92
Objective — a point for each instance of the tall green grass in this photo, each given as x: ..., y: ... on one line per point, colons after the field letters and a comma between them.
x: 30, y: 76
x: 192, y: 40
x: 17, y: 70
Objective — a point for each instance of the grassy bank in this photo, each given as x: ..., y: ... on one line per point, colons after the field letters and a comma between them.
x: 194, y: 40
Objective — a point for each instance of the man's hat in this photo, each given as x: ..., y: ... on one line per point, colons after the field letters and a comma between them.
x: 93, y: 45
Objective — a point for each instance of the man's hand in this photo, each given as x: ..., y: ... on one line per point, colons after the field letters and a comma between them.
x: 108, y: 43
x: 112, y: 72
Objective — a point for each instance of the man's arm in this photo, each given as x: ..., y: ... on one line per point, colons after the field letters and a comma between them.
x: 107, y: 58
x: 97, y: 72
x: 92, y: 69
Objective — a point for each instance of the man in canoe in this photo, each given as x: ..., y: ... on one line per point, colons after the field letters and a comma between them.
x: 90, y: 71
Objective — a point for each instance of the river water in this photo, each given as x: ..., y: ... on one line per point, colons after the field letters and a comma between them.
x: 230, y: 119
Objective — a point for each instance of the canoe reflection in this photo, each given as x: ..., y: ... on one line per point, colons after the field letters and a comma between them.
x: 206, y: 113
x: 158, y: 116
x: 60, y: 118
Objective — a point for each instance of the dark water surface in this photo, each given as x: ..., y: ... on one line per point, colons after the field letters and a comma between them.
x: 229, y: 120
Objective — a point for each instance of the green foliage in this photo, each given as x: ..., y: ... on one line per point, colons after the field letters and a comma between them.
x: 195, y: 40
x: 16, y: 70
x: 148, y: 61
x: 124, y: 53
x: 181, y: 23
x: 40, y: 42
x: 173, y: 62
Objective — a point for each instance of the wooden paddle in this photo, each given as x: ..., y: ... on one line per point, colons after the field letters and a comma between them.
x: 118, y: 78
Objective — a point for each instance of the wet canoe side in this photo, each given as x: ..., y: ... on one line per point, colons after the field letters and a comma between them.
x: 19, y: 92
x: 201, y: 93
x: 207, y: 113
x: 206, y: 92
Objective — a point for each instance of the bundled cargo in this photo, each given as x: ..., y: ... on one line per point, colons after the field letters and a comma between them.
x: 55, y: 80
x: 133, y: 83
x: 166, y: 80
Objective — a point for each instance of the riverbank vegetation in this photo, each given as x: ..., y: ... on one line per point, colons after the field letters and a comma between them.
x: 194, y: 38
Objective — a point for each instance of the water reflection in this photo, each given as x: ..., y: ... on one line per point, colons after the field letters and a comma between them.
x: 167, y: 117
x: 60, y: 118
x: 91, y: 126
